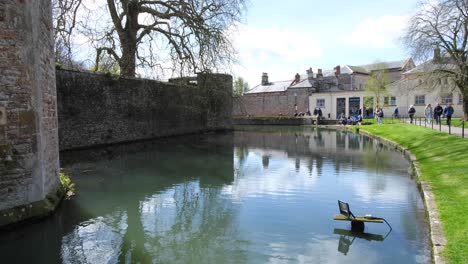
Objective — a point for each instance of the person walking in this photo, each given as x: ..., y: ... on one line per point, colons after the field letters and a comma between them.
x: 437, y: 113
x: 380, y: 116
x: 428, y: 113
x: 448, y: 114
x: 396, y: 113
x: 411, y: 112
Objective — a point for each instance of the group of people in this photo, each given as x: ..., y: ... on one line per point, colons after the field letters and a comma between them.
x: 350, y: 120
x: 437, y: 113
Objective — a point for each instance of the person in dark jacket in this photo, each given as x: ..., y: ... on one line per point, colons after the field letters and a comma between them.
x: 437, y: 113
x: 396, y: 113
x: 448, y: 113
x: 411, y: 112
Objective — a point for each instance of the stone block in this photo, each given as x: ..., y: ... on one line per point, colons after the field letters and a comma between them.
x: 27, y: 118
x: 3, y: 116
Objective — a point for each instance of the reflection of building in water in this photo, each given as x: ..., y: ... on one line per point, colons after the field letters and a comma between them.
x: 314, y: 147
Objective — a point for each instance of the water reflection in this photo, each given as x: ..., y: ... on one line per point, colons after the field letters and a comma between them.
x: 263, y: 195
x: 347, y: 238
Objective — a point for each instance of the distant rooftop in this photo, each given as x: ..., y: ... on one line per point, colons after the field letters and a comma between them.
x: 282, y: 86
x: 271, y: 87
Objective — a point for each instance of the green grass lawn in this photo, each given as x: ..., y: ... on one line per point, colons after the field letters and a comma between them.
x: 386, y: 120
x: 444, y: 164
x: 457, y: 122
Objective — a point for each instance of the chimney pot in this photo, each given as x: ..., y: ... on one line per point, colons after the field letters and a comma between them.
x: 264, y: 78
x: 319, y: 74
x: 310, y: 74
x: 337, y: 70
x: 297, y: 78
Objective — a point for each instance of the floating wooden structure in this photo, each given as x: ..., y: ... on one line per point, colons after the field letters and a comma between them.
x: 357, y: 222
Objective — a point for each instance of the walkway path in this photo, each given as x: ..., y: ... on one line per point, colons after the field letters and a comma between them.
x: 444, y: 128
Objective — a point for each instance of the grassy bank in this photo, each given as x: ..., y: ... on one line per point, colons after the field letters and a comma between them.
x: 444, y: 164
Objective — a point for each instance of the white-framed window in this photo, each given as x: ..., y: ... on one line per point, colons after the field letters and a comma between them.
x: 420, y: 100
x: 390, y: 100
x: 460, y: 98
x: 448, y: 99
x: 320, y: 103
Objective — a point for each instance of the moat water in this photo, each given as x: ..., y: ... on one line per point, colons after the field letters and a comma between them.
x: 257, y: 195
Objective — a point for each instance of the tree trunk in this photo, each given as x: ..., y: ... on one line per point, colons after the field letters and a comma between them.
x: 128, y: 41
x: 127, y: 62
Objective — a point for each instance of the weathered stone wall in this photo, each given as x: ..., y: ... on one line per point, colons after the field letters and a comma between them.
x: 272, y: 104
x: 98, y: 109
x: 29, y: 163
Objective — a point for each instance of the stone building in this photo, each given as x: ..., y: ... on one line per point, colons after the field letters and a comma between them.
x: 29, y: 156
x: 336, y: 91
x: 422, y: 85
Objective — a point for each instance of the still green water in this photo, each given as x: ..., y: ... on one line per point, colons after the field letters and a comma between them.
x: 257, y: 195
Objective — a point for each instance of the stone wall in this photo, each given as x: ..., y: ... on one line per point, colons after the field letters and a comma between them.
x: 98, y: 109
x: 272, y: 104
x: 29, y: 163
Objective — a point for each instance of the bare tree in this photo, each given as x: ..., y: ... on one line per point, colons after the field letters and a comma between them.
x: 377, y: 84
x: 65, y: 21
x: 192, y: 34
x: 442, y: 27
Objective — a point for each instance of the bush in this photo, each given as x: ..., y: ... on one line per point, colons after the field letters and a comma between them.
x: 68, y: 186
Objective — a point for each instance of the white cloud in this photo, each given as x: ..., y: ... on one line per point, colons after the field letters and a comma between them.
x: 276, y: 43
x: 279, y: 51
x: 381, y: 32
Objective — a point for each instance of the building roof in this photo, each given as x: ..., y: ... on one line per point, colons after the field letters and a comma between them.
x: 304, y: 84
x: 400, y: 64
x: 430, y: 66
x: 282, y: 86
x: 272, y: 87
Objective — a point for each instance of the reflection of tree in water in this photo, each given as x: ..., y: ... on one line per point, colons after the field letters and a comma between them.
x: 318, y: 138
x: 297, y: 165
x: 241, y: 153
x: 184, y: 224
x: 265, y: 161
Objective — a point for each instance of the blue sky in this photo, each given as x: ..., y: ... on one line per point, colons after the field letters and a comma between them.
x: 285, y: 37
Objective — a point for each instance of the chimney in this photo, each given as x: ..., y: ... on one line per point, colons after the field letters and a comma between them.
x: 265, y: 78
x: 437, y: 58
x: 310, y: 74
x: 297, y: 78
x: 319, y: 74
x: 337, y: 70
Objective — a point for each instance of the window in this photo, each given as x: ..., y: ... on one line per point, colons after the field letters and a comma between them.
x: 460, y: 98
x: 390, y: 100
x: 420, y: 100
x: 321, y: 103
x: 448, y: 99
